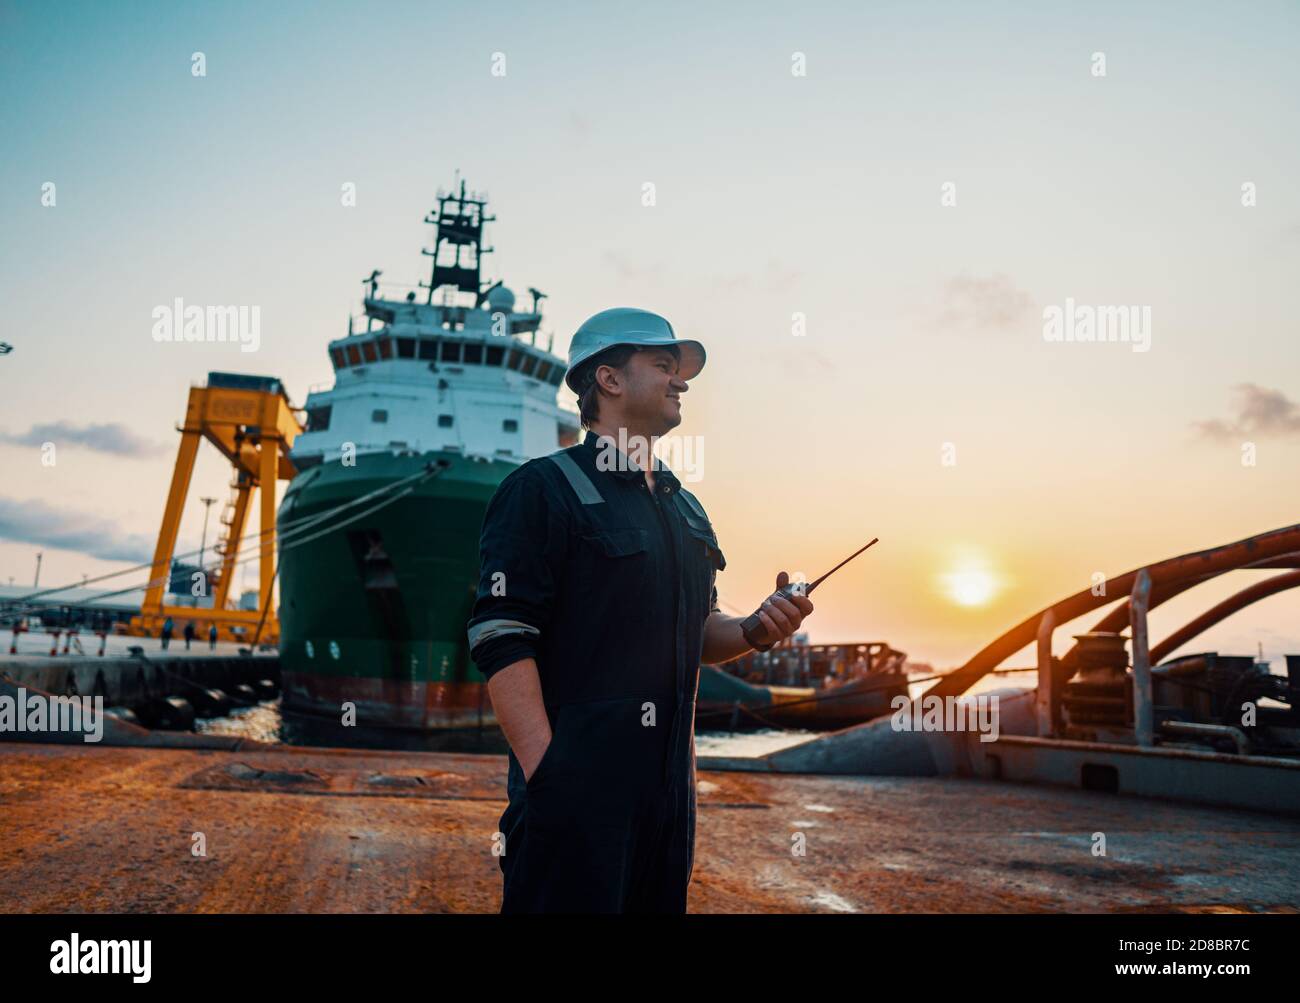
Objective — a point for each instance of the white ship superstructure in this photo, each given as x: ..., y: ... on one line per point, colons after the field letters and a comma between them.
x: 463, y: 375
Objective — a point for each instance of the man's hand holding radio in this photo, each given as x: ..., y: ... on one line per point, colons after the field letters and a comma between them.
x: 780, y: 614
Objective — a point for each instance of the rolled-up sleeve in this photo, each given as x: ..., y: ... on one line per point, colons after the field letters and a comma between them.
x: 521, y: 559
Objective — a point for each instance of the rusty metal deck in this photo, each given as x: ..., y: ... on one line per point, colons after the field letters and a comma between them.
x: 107, y: 829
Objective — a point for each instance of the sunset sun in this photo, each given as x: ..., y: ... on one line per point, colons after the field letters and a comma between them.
x: 970, y: 585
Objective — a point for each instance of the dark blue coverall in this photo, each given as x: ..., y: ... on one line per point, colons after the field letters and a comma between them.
x: 607, y: 585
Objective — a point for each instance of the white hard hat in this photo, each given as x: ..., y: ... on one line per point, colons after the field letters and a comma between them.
x: 626, y: 325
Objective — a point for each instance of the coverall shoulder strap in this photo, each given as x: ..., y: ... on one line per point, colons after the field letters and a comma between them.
x: 577, y: 478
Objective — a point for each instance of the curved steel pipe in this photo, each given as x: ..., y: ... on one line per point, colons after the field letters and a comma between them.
x: 1225, y: 609
x: 1172, y: 572
x: 1119, y: 618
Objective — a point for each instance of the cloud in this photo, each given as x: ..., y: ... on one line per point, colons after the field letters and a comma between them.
x: 40, y: 523
x: 113, y: 438
x: 1261, y: 413
x: 991, y: 303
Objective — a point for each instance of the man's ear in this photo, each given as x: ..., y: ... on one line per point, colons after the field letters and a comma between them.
x: 610, y: 384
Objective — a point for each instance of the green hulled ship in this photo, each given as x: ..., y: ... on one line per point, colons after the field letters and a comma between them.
x: 442, y: 394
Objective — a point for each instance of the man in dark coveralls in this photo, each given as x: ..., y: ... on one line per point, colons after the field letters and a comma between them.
x: 596, y: 605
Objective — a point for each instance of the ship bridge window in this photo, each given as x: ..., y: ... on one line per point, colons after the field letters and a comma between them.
x: 444, y: 421
x: 318, y: 418
x: 368, y: 350
x: 451, y: 351
x: 379, y: 416
x: 385, y: 348
x: 543, y: 371
x: 557, y: 376
x: 474, y: 355
x: 336, y: 354
x: 516, y: 357
x: 406, y: 348
x: 354, y: 357
x: 530, y: 363
x: 428, y: 349
x: 495, y: 354
x: 509, y: 425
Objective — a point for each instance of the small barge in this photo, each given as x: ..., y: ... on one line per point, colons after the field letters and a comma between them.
x: 814, y: 687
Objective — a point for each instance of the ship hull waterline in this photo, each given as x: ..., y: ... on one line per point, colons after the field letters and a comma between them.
x: 373, y: 613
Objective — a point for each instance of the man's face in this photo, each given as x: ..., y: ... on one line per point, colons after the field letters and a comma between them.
x: 653, y: 390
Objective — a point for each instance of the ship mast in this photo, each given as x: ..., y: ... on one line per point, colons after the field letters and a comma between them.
x: 458, y: 249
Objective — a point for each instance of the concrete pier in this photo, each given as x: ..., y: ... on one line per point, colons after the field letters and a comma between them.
x: 108, y: 829
x: 126, y: 681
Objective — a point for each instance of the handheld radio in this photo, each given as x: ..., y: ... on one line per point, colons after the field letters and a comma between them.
x: 752, y: 627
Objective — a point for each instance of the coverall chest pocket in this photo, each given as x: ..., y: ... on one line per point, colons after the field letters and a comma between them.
x: 704, y: 557
x: 707, y: 545
x: 617, y: 542
x: 613, y: 566
x: 704, y: 542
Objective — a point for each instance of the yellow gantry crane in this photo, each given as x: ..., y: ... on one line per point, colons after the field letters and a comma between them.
x: 249, y: 419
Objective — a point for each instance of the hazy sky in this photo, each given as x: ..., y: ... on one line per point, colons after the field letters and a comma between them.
x: 776, y: 195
